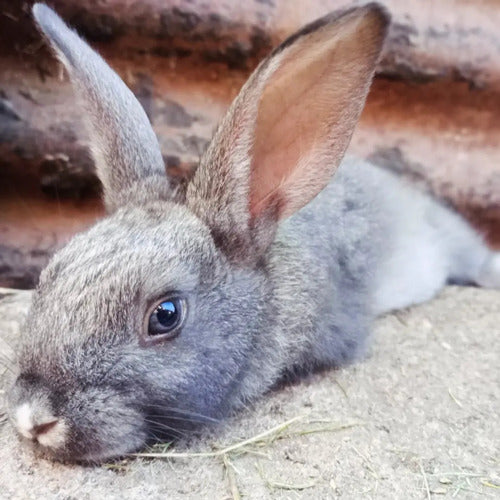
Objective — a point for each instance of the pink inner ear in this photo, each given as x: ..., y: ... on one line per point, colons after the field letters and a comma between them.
x: 307, y: 112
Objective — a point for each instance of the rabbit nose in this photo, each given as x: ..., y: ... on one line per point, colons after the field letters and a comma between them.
x: 49, y: 431
x: 43, y: 428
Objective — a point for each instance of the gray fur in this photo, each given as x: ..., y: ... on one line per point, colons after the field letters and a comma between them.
x: 303, y: 298
x: 125, y: 148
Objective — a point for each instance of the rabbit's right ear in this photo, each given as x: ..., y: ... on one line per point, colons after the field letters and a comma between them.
x: 285, y: 134
x: 125, y: 148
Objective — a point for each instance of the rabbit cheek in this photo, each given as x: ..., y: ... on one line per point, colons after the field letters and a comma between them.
x: 102, y: 426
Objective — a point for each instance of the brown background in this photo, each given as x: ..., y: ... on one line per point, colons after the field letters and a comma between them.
x: 433, y: 113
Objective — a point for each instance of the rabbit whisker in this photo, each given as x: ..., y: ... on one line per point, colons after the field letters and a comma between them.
x: 194, y: 416
x: 159, y: 426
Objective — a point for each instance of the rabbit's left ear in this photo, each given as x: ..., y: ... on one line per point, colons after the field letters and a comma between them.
x: 285, y: 134
x: 125, y: 148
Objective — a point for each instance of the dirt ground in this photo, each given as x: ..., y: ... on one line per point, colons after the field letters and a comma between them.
x: 417, y: 419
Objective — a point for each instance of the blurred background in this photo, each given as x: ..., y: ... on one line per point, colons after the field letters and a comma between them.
x: 433, y: 114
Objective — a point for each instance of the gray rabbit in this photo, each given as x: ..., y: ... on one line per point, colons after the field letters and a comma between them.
x: 184, y: 304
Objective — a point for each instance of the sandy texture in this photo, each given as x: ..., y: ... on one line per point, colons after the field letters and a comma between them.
x: 421, y: 416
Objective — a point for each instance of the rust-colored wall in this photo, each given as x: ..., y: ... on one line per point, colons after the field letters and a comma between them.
x: 433, y: 113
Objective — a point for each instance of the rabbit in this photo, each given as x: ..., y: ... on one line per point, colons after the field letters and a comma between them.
x: 186, y: 303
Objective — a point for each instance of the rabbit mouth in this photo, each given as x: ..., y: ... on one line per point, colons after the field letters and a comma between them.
x: 88, y: 446
x: 91, y: 426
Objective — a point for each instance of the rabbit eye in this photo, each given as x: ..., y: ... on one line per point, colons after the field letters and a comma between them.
x: 163, y: 320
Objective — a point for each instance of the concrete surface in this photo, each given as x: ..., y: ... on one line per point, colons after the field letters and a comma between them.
x: 418, y: 419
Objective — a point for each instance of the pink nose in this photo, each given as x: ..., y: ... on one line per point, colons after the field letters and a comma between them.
x: 38, y: 430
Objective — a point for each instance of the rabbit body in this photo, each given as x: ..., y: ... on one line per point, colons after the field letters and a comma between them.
x: 278, y: 268
x: 369, y: 243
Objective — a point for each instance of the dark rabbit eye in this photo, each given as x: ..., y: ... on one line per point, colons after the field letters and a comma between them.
x: 164, y: 320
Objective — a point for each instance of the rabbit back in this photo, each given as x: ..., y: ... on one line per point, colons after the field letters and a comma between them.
x: 367, y: 244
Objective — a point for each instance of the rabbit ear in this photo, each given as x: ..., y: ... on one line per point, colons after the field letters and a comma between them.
x: 286, y: 132
x: 125, y: 148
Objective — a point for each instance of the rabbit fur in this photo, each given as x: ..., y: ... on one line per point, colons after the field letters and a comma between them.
x: 281, y: 268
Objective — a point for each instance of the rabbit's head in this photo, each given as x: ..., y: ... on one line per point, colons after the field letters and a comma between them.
x: 151, y: 322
